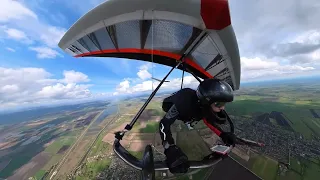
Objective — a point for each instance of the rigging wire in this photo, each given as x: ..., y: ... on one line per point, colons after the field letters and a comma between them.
x: 152, y: 51
x: 182, y: 75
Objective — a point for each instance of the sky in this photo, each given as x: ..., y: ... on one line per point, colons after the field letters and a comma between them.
x: 277, y: 40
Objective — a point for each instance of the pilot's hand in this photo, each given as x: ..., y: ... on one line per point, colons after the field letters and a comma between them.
x: 176, y: 160
x: 228, y: 138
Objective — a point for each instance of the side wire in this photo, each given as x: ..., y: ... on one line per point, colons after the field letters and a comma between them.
x: 182, y: 75
x: 152, y: 51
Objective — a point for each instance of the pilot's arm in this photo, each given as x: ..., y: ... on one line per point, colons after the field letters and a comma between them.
x: 227, y: 137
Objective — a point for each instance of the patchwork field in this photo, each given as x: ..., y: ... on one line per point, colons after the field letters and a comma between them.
x: 263, y: 166
x: 297, y: 117
x: 31, y: 167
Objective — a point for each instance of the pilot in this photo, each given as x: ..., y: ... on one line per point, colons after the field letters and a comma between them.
x: 207, y: 103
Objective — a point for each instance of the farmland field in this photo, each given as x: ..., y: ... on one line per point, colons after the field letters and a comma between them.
x: 59, y: 143
x: 39, y: 143
x: 263, y: 166
x: 40, y: 174
x: 299, y: 115
x: 151, y: 127
x: 285, y: 117
x: 31, y: 167
x: 192, y: 144
x: 286, y: 109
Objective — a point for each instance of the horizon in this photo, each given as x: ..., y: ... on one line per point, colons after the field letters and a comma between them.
x: 147, y: 93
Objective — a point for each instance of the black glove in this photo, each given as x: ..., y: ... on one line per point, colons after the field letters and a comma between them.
x: 228, y: 138
x: 176, y: 160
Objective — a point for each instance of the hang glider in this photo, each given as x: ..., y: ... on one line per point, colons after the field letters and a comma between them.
x: 161, y: 31
x: 195, y: 36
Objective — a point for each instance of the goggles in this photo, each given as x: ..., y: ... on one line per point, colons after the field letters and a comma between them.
x: 219, y: 104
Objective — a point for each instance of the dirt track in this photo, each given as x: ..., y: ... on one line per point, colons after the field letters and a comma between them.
x: 72, y: 161
x: 76, y: 147
x: 119, y: 128
x: 134, y: 141
x: 37, y: 123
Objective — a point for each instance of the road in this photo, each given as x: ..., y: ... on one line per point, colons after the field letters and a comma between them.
x: 92, y: 144
x: 84, y: 157
x: 73, y: 146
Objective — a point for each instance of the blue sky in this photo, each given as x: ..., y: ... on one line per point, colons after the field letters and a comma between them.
x: 276, y: 41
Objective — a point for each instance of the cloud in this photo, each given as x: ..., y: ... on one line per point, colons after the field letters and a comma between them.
x: 64, y: 91
x: 13, y: 10
x: 17, y: 35
x: 308, y: 37
x: 143, y: 72
x: 315, y: 56
x: 291, y: 49
x: 174, y: 84
x: 9, y: 88
x: 52, y: 36
x: 271, y: 21
x: 308, y: 59
x: 23, y: 25
x: 302, y: 49
x: 285, y: 30
x: 35, y: 85
x: 74, y: 77
x: 123, y: 86
x: 144, y: 86
x: 261, y: 69
x: 302, y: 44
x: 10, y: 49
x: 45, y: 52
x: 311, y: 58
x: 256, y: 63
